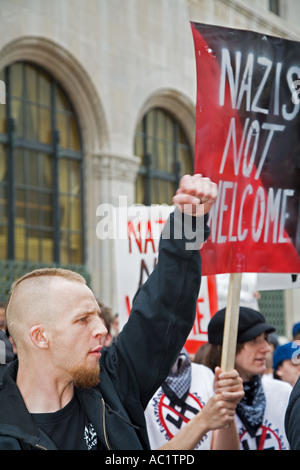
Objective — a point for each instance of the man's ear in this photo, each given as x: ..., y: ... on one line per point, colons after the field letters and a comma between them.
x: 38, y: 336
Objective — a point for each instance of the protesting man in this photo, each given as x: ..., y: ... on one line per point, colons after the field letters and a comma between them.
x: 52, y: 397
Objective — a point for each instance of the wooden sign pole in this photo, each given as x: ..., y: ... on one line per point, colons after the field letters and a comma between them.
x: 231, y: 322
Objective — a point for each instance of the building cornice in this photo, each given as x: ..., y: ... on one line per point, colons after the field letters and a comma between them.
x: 265, y: 20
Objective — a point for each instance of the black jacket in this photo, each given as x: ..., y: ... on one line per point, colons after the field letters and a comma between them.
x: 292, y: 418
x: 134, y: 367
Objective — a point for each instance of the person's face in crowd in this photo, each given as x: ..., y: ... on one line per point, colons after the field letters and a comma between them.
x: 251, y: 359
x: 75, y: 340
x: 289, y: 371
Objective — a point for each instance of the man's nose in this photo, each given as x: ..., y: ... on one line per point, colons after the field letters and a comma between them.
x: 100, y: 328
x: 266, y: 346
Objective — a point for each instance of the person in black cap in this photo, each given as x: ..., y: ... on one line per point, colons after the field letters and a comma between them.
x: 260, y: 414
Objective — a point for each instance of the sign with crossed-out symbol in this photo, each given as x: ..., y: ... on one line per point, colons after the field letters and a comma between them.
x: 172, y: 417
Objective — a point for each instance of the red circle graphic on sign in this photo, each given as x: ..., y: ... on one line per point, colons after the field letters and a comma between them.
x: 268, y: 439
x: 168, y: 413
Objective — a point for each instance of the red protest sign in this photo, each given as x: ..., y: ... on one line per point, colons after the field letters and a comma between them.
x: 247, y: 140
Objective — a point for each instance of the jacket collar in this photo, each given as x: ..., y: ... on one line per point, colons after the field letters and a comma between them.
x: 15, y: 419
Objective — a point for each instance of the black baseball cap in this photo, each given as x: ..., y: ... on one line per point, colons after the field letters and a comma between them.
x: 251, y: 324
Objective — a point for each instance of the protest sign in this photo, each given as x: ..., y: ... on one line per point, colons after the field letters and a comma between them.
x: 249, y: 290
x: 278, y: 281
x: 248, y: 142
x: 136, y: 253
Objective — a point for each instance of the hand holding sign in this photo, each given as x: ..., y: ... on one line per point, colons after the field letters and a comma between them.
x: 195, y: 195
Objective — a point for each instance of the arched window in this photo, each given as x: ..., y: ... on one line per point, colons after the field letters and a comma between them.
x: 165, y: 156
x: 41, y: 193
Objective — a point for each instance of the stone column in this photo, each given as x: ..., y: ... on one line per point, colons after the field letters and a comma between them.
x: 110, y: 176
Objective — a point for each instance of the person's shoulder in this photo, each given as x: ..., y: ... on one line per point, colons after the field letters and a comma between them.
x: 202, y: 379
x: 202, y: 370
x: 275, y: 385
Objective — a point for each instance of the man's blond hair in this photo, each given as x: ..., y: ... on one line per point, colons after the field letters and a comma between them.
x: 26, y: 298
x: 66, y: 273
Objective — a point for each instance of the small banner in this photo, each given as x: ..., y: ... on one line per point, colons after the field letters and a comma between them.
x: 138, y: 229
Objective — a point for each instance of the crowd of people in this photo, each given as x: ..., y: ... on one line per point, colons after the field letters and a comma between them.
x: 260, y: 414
x: 70, y: 380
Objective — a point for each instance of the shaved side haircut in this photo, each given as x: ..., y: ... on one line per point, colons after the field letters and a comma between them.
x: 31, y: 299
